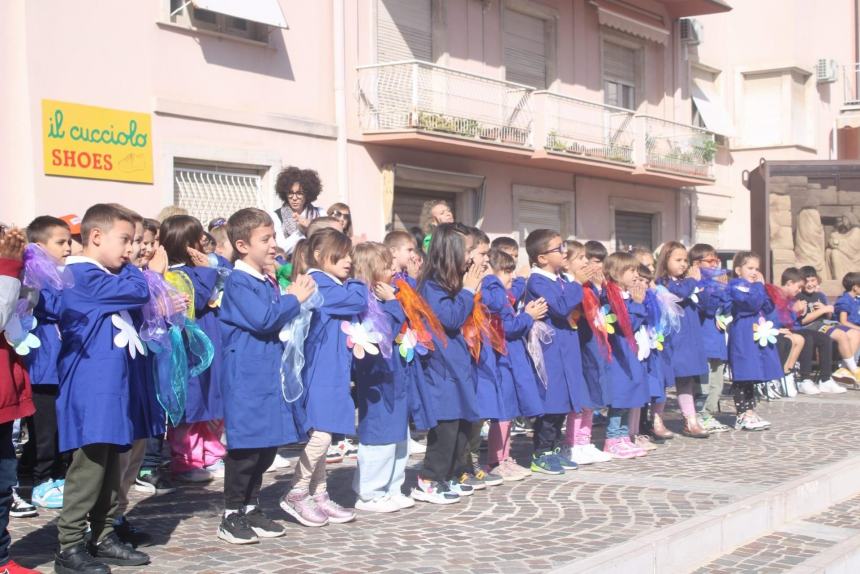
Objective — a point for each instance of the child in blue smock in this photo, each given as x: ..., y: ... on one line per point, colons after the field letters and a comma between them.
x: 195, y: 444
x: 512, y: 365
x: 753, y: 357
x: 93, y: 414
x: 381, y: 382
x: 52, y: 238
x: 687, y: 346
x: 448, y: 284
x: 624, y: 297
x: 402, y: 246
x: 713, y: 312
x: 595, y: 352
x: 257, y: 415
x: 333, y: 339
x: 564, y: 390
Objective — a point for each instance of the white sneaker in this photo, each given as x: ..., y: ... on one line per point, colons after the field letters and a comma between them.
x: 402, y: 501
x: 416, y: 447
x: 750, y: 423
x: 807, y: 387
x: 280, y: 463
x: 588, y: 454
x: 215, y: 469
x: 381, y: 505
x: 831, y: 386
x: 790, y: 385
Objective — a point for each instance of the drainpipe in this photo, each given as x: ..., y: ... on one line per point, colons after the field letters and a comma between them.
x: 340, y: 100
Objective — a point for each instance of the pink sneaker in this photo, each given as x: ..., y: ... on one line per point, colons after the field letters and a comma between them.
x: 507, y: 473
x: 617, y: 448
x: 336, y: 513
x: 301, y: 506
x: 521, y: 470
x: 634, y: 448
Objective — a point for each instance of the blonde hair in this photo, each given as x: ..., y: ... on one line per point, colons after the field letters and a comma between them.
x: 618, y: 263
x: 574, y: 248
x: 425, y: 221
x: 371, y: 261
x: 170, y: 211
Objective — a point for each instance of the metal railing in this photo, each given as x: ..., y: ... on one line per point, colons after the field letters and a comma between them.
x: 581, y: 128
x: 678, y: 148
x: 851, y: 83
x: 426, y: 97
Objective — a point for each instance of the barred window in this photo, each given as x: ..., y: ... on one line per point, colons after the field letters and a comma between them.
x: 209, y: 191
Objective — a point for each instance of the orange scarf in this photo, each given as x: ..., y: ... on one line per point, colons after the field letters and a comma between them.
x: 419, y: 315
x: 480, y: 324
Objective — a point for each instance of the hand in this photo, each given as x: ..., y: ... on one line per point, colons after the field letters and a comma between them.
x: 695, y: 273
x: 303, y: 287
x: 596, y: 274
x: 637, y: 293
x: 198, y: 259
x: 384, y: 291
x: 472, y: 278
x: 12, y: 244
x: 537, y: 309
x: 759, y: 278
x: 784, y: 332
x: 413, y: 267
x: 180, y: 302
x: 799, y: 307
x: 303, y: 222
x: 724, y: 278
x: 524, y: 271
x: 356, y: 239
x: 827, y: 308
x: 158, y: 263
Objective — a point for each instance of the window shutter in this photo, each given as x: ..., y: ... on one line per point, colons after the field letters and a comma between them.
x: 525, y: 49
x: 404, y: 30
x: 540, y: 215
x: 619, y: 63
x: 633, y: 230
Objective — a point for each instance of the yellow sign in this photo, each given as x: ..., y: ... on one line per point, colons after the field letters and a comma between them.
x: 97, y: 143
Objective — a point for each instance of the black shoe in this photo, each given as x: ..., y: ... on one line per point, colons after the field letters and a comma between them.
x: 153, y: 482
x: 262, y: 525
x: 236, y: 530
x: 128, y: 534
x: 76, y: 560
x: 112, y: 551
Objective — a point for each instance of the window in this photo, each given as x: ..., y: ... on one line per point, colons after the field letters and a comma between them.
x: 543, y: 208
x: 633, y: 229
x: 185, y: 13
x: 404, y: 30
x: 775, y: 108
x: 620, y: 75
x: 708, y: 230
x: 211, y: 190
x: 408, y: 204
x: 525, y: 49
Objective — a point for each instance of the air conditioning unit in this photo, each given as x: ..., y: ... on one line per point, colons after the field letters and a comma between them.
x: 826, y: 71
x: 691, y: 31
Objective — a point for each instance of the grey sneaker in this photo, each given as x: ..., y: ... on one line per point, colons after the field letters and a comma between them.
x: 475, y: 482
x: 301, y: 506
x: 262, y: 525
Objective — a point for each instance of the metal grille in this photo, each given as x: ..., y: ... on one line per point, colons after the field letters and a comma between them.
x: 212, y: 192
x: 583, y: 128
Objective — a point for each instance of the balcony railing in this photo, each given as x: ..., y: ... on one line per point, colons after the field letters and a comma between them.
x: 580, y: 128
x: 851, y: 83
x: 421, y: 96
x: 678, y: 148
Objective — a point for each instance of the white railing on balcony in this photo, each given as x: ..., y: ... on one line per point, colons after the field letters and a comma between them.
x: 678, y: 148
x: 430, y: 98
x: 581, y: 128
x: 851, y: 83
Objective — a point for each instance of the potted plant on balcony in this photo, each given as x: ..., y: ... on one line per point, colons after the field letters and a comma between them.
x: 554, y: 143
x: 707, y: 149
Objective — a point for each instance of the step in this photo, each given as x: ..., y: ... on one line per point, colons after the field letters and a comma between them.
x: 825, y: 474
x: 825, y: 542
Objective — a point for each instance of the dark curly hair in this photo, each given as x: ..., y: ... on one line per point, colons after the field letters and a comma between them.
x: 307, y: 178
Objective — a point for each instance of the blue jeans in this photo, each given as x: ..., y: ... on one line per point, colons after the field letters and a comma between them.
x: 8, y: 479
x: 617, y: 427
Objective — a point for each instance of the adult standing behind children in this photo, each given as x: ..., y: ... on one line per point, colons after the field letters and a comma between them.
x: 297, y: 190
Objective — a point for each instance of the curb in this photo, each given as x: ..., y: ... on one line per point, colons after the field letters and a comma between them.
x: 685, y: 546
x: 844, y: 558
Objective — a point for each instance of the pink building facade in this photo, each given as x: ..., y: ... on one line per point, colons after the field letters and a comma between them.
x: 572, y: 114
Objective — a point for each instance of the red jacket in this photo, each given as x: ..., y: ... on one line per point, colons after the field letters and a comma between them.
x: 16, y: 399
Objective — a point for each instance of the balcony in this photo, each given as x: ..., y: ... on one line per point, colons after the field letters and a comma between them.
x: 413, y: 97
x: 851, y: 83
x: 678, y: 148
x: 423, y: 106
x: 583, y: 129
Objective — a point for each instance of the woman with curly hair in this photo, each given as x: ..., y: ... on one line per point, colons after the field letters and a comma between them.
x: 297, y: 190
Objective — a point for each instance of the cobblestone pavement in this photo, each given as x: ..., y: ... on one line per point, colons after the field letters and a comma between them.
x: 537, y: 524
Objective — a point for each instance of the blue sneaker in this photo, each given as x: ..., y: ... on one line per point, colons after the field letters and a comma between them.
x: 565, y: 462
x: 546, y: 463
x: 460, y: 489
x: 48, y: 495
